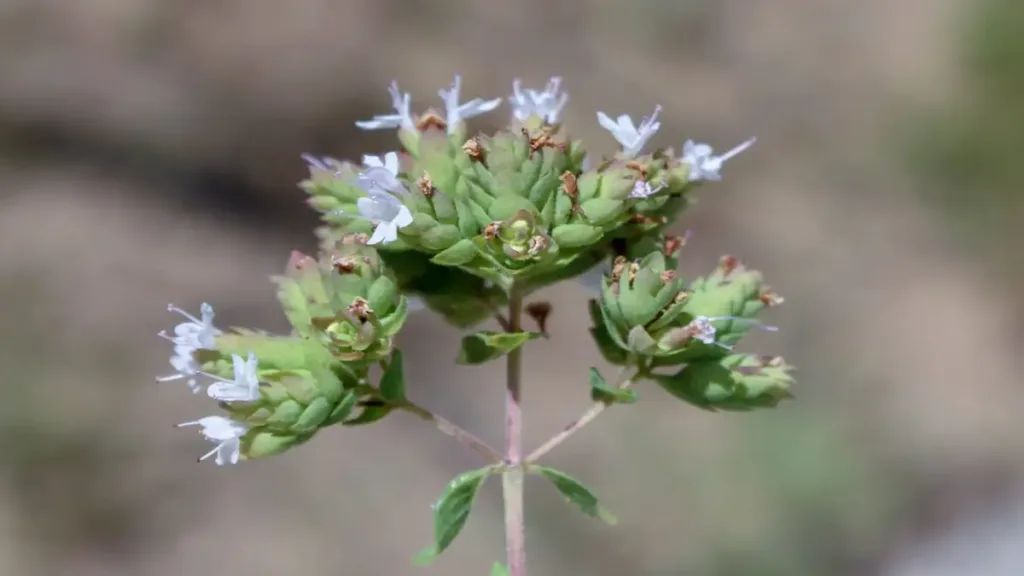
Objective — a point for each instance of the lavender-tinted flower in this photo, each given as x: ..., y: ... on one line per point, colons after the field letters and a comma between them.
x: 402, y: 119
x: 381, y: 173
x: 185, y: 367
x: 325, y: 164
x: 226, y: 433
x: 704, y: 164
x: 632, y: 138
x: 455, y: 112
x: 547, y: 104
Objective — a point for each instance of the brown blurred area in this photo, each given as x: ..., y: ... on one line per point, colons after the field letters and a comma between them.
x: 149, y: 153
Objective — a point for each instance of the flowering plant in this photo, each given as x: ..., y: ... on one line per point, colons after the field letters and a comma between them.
x: 470, y: 228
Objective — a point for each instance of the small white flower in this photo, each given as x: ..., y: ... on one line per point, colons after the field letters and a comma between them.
x: 402, y: 118
x: 547, y: 104
x: 632, y: 138
x: 642, y: 189
x: 388, y: 212
x: 381, y: 173
x: 197, y: 332
x: 455, y: 112
x: 185, y: 367
x: 245, y: 387
x: 226, y: 433
x: 704, y: 329
x: 704, y: 165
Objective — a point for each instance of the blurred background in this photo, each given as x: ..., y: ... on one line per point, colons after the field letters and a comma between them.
x: 149, y: 152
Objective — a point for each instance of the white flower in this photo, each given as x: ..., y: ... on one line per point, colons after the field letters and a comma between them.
x: 188, y: 337
x: 642, y: 189
x: 704, y: 165
x: 226, y: 433
x: 245, y: 387
x: 547, y: 104
x: 704, y: 330
x: 388, y: 212
x: 455, y: 112
x: 197, y: 332
x: 402, y: 118
x: 381, y: 173
x: 632, y: 138
x: 185, y: 367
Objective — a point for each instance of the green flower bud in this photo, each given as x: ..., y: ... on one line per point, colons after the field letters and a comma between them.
x: 344, y: 300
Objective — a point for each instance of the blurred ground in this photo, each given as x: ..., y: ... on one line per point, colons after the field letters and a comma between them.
x: 149, y: 154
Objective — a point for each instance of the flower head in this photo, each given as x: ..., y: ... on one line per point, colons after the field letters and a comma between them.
x: 547, y: 104
x: 226, y: 433
x: 632, y: 138
x: 245, y: 387
x: 402, y: 118
x: 704, y: 165
x: 455, y: 112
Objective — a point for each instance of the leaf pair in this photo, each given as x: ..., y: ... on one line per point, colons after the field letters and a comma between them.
x: 452, y: 509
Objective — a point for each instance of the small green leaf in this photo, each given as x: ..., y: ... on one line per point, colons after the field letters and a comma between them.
x: 639, y: 341
x: 392, y: 383
x: 499, y: 569
x: 486, y: 346
x: 576, y: 235
x: 738, y: 382
x: 458, y: 254
x: 343, y: 409
x: 369, y: 415
x: 576, y: 493
x: 601, y: 391
x: 452, y: 510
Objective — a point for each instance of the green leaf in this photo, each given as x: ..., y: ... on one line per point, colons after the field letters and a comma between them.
x: 343, y: 409
x: 738, y: 382
x: 601, y: 391
x: 576, y: 235
x: 369, y: 415
x: 462, y: 252
x: 392, y: 383
x: 452, y: 510
x: 499, y: 569
x: 483, y: 347
x: 576, y: 493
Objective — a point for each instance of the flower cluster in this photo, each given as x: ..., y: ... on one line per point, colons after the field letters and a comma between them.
x: 189, y: 338
x: 471, y: 227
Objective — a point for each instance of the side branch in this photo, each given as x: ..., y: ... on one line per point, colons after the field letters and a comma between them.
x: 455, y: 431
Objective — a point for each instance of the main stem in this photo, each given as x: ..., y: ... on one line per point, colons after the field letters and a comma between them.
x: 512, y: 478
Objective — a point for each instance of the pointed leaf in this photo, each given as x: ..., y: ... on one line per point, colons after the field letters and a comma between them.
x: 486, y: 346
x: 369, y: 415
x: 576, y: 493
x: 451, y: 511
x: 392, y: 383
x: 602, y: 391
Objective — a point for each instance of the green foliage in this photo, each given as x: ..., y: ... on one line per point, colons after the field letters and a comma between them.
x: 575, y: 493
x: 451, y: 511
x: 481, y: 347
x: 738, y: 382
x: 601, y: 391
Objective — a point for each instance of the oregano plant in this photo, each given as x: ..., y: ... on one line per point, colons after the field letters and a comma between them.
x: 470, y: 227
